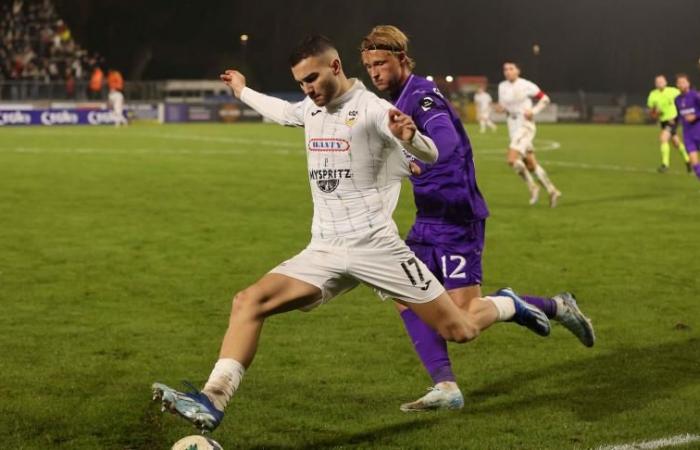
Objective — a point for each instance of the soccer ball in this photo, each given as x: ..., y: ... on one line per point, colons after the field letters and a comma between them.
x: 196, y: 442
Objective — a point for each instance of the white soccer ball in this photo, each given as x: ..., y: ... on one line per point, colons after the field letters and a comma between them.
x: 197, y: 442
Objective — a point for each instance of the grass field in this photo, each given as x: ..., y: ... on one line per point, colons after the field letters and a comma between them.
x: 121, y: 249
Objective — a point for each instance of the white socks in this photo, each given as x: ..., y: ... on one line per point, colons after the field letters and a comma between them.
x: 223, y: 382
x: 544, y: 179
x: 505, y: 307
x: 521, y: 170
x: 560, y: 307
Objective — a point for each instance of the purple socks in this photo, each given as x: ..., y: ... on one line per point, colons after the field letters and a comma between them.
x: 430, y: 346
x: 546, y: 305
x: 696, y: 168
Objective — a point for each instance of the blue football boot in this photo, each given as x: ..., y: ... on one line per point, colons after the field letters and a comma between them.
x: 526, y: 314
x: 194, y: 406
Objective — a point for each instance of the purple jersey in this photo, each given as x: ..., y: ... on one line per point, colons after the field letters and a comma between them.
x: 689, y: 103
x: 445, y: 192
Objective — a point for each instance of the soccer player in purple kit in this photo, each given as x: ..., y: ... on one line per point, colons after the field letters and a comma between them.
x: 688, y: 105
x: 448, y: 234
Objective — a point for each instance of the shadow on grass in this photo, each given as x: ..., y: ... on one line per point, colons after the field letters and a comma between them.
x: 598, y: 387
x: 371, y: 437
x: 616, y: 199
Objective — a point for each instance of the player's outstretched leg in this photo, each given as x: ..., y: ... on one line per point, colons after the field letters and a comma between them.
x: 480, y: 313
x: 564, y: 309
x: 516, y: 162
x: 525, y: 314
x: 680, y: 146
x: 273, y: 293
x: 543, y: 178
x: 432, y: 351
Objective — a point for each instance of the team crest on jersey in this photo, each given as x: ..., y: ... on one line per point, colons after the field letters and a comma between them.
x: 328, y: 145
x: 352, y: 117
x: 328, y: 180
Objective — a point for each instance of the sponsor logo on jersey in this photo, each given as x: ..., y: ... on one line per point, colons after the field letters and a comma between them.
x: 352, y: 117
x: 427, y: 103
x: 328, y: 145
x: 328, y: 180
x: 315, y: 112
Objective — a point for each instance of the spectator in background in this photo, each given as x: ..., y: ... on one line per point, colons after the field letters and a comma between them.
x: 96, y: 83
x: 70, y: 84
x: 115, y: 81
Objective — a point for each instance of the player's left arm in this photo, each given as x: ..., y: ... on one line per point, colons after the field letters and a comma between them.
x: 693, y: 117
x: 402, y: 128
x: 432, y: 114
x: 542, y: 101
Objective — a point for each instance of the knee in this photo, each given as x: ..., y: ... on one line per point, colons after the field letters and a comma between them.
x: 460, y: 332
x: 247, y: 302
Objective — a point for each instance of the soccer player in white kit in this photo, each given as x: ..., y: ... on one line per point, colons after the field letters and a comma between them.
x: 515, y: 96
x: 355, y: 145
x: 483, y: 102
x: 116, y: 104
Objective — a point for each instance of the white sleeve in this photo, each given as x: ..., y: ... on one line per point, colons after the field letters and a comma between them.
x: 500, y: 93
x: 422, y: 147
x: 531, y: 89
x: 276, y: 109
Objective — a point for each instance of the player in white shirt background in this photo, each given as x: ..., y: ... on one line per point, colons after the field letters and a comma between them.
x: 354, y: 146
x: 116, y: 104
x: 515, y: 96
x: 483, y: 102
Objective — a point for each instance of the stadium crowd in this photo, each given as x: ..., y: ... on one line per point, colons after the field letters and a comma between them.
x: 37, y: 47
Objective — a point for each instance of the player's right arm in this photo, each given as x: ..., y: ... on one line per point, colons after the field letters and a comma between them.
x: 651, y: 104
x: 275, y: 109
x: 499, y: 106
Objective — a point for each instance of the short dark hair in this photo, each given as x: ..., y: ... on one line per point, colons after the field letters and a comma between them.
x: 512, y: 61
x: 682, y: 75
x: 310, y: 46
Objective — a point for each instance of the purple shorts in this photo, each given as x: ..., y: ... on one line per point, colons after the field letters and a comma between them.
x: 692, y: 143
x: 451, y: 252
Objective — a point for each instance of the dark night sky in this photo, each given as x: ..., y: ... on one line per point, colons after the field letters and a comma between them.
x: 601, y: 45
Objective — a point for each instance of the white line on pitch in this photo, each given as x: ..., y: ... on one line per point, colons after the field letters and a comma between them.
x: 137, y: 151
x: 672, y: 441
x: 542, y: 145
x: 228, y: 140
x: 586, y: 166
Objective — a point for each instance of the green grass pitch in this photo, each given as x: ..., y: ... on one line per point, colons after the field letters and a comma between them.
x: 120, y: 251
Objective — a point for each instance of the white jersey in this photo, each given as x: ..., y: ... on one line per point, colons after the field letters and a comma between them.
x: 116, y: 99
x: 516, y: 96
x: 483, y: 102
x: 354, y: 162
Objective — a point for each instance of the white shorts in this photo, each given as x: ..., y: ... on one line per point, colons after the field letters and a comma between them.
x: 521, y: 136
x: 393, y: 270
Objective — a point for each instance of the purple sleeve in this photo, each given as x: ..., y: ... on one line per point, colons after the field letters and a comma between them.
x: 427, y: 107
x: 441, y: 130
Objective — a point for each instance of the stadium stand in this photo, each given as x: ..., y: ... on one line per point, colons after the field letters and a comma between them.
x: 37, y: 47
